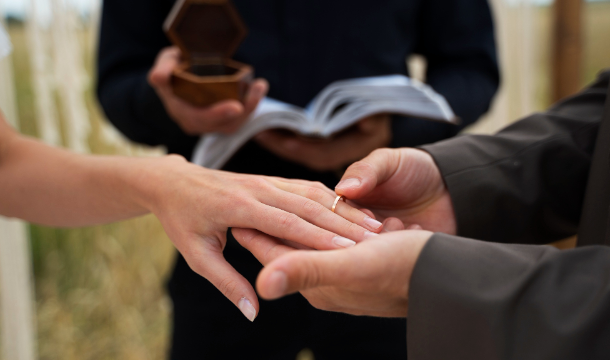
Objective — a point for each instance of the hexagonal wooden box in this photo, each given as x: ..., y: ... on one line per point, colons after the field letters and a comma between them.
x: 208, y: 32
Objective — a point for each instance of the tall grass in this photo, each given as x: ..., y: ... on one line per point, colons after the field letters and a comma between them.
x: 99, y: 290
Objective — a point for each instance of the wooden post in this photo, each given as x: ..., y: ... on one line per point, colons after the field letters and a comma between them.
x: 567, y: 48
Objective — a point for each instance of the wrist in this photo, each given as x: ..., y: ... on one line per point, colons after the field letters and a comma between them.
x: 151, y: 181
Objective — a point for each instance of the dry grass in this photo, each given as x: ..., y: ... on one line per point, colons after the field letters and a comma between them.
x: 99, y: 290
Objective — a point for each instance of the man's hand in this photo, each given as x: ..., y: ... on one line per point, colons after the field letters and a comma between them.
x: 371, y: 278
x: 401, y: 183
x: 196, y: 206
x: 225, y: 117
x: 369, y: 134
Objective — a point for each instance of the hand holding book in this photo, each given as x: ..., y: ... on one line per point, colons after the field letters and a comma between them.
x: 340, y: 150
x: 336, y: 108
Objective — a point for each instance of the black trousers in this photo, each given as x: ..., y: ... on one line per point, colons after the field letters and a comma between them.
x: 208, y: 326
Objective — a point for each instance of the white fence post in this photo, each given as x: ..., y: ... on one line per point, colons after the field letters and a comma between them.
x: 16, y: 287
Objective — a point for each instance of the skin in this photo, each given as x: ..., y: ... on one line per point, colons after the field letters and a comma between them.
x: 367, y: 135
x: 402, y: 187
x: 224, y: 117
x: 228, y: 116
x: 371, y: 278
x: 195, y: 205
x: 400, y: 183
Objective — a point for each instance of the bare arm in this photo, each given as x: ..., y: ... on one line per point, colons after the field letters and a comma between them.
x: 196, y: 206
x: 54, y: 187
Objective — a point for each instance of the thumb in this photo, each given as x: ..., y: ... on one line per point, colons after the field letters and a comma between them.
x: 364, y: 175
x: 165, y: 63
x: 301, y: 270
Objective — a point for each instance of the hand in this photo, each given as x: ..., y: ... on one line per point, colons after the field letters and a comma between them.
x: 225, y: 117
x: 196, y: 206
x: 369, y: 134
x: 402, y: 183
x: 371, y: 278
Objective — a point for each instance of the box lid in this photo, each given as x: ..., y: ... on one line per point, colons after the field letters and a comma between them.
x: 205, y: 28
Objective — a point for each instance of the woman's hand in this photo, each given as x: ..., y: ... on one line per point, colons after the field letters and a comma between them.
x: 369, y: 134
x: 401, y: 183
x: 371, y: 278
x: 225, y: 117
x: 196, y: 207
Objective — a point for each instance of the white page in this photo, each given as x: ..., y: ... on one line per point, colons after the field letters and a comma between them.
x: 361, y: 98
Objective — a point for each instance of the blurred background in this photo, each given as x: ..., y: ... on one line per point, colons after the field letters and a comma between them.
x: 99, y: 292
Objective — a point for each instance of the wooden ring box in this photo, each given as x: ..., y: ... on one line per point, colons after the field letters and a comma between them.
x: 208, y: 32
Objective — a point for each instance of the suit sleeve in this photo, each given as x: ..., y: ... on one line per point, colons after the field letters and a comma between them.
x: 131, y: 36
x: 457, y: 40
x: 483, y: 301
x: 525, y: 184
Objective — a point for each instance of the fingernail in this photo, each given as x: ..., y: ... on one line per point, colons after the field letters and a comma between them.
x: 343, y: 242
x: 277, y: 284
x: 369, y: 235
x: 247, y: 309
x: 372, y: 223
x: 348, y: 183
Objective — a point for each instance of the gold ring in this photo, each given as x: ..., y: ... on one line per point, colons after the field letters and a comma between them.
x: 340, y: 197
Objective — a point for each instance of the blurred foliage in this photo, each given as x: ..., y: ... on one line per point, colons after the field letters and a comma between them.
x: 99, y: 290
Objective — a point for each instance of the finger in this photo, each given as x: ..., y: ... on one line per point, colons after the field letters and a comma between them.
x: 285, y: 225
x: 393, y: 224
x: 363, y: 176
x: 302, y: 270
x: 368, y: 213
x: 321, y: 156
x: 220, y: 113
x: 368, y: 125
x: 414, y: 227
x: 166, y: 62
x: 315, y: 184
x: 264, y: 247
x: 211, y: 264
x: 257, y: 91
x: 314, y: 204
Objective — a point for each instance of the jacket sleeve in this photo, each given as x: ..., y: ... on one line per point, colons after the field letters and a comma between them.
x: 457, y: 40
x: 131, y: 36
x: 525, y: 184
x: 483, y: 301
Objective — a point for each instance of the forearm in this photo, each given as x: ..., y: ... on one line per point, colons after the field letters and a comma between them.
x: 53, y: 187
x: 517, y: 171
x: 478, y: 300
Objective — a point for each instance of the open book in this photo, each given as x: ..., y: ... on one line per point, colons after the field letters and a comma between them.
x: 337, y: 107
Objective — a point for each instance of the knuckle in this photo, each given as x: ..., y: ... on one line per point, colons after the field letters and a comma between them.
x: 315, y: 193
x: 258, y: 183
x: 287, y: 221
x: 228, y: 287
x: 312, y: 208
x: 319, y: 185
x: 311, y: 275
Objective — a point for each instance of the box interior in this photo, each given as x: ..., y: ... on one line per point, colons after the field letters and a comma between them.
x: 212, y: 70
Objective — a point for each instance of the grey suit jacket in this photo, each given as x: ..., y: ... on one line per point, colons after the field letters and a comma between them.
x: 526, y: 185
